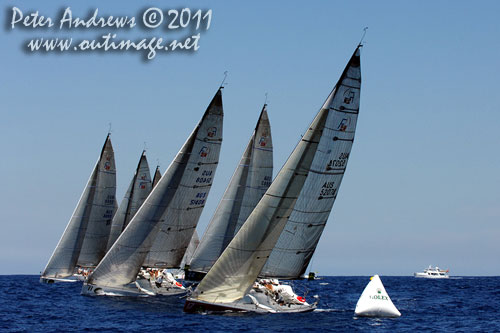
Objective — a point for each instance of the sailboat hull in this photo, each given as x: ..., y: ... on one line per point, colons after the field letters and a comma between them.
x: 140, y: 288
x: 56, y: 280
x: 253, y: 302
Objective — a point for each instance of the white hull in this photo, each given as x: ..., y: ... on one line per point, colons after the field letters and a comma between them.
x: 432, y: 273
x: 56, y: 280
x: 257, y: 302
x: 140, y: 288
x: 427, y: 276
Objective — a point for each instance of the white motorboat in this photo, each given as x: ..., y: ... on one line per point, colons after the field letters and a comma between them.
x: 433, y: 273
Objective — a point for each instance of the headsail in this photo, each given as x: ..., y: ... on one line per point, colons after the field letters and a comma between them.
x: 315, y: 156
x: 137, y: 192
x: 198, y: 156
x: 157, y: 176
x: 183, y: 214
x: 96, y: 205
x: 250, y: 181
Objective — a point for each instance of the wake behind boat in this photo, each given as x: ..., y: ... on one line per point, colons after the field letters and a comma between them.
x: 433, y: 273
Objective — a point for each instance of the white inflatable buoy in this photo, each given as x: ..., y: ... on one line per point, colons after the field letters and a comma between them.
x: 375, y: 302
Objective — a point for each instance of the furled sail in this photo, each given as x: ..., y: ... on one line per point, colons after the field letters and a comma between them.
x: 185, y: 180
x: 183, y: 214
x: 311, y: 172
x: 137, y: 192
x: 96, y: 206
x: 250, y: 181
x: 157, y: 176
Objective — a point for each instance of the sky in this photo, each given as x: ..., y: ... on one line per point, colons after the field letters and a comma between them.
x: 421, y: 185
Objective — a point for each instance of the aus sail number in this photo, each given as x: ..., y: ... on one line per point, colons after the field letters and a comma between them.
x: 204, y: 180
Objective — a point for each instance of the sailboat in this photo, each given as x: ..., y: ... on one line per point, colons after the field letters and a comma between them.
x: 248, y: 184
x: 310, y: 172
x: 171, y: 211
x: 137, y: 192
x: 84, y: 240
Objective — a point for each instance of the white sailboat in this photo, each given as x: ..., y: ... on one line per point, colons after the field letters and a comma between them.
x: 375, y: 302
x: 248, y: 184
x: 137, y: 192
x: 310, y: 172
x: 172, y: 209
x: 84, y: 240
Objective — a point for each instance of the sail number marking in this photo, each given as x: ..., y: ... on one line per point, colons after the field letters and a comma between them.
x: 339, y: 162
x: 328, y: 189
x: 199, y: 199
x: 205, y: 177
x: 267, y: 181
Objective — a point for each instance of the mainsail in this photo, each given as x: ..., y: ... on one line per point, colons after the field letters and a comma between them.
x: 187, y: 179
x: 91, y: 218
x: 297, y: 243
x: 181, y: 217
x: 137, y: 192
x: 193, y: 245
x: 311, y: 172
x: 250, y: 181
x: 157, y: 176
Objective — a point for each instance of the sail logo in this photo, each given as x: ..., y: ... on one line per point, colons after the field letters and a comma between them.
x: 107, y: 165
x: 143, y: 176
x: 263, y: 139
x: 344, y: 123
x: 204, y: 151
x: 142, y: 185
x: 349, y: 96
x: 212, y: 131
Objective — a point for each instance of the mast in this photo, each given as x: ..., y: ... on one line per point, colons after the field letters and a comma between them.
x: 248, y: 184
x: 316, y: 156
x: 63, y: 261
x: 198, y: 155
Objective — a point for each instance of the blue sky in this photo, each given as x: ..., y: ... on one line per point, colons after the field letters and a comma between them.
x: 422, y: 182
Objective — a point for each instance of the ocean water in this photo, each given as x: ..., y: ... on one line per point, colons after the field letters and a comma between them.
x: 456, y: 304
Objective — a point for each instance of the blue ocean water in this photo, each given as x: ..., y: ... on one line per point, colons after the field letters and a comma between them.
x: 455, y: 304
